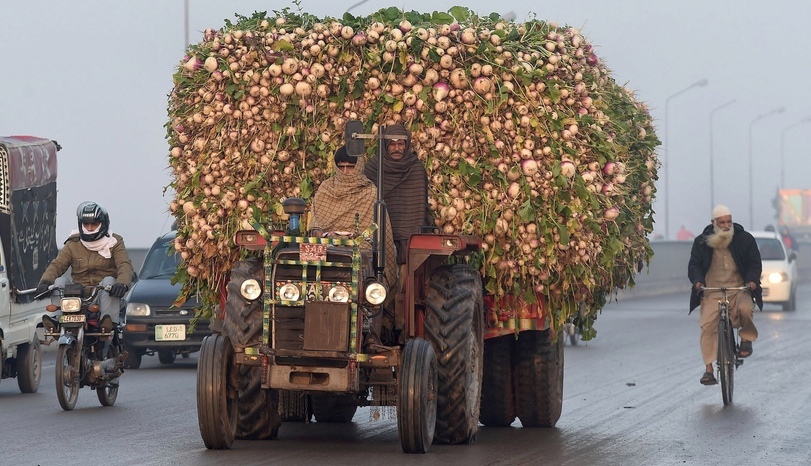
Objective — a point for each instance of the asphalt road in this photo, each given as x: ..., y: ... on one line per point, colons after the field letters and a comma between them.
x: 632, y: 397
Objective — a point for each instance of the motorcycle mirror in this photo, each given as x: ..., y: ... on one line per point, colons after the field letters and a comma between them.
x: 354, y: 146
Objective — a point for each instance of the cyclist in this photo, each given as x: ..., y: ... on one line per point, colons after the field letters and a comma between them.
x: 724, y: 255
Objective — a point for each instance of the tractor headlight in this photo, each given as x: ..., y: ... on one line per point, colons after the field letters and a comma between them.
x: 289, y: 292
x: 250, y: 289
x: 375, y: 293
x: 338, y: 294
x: 71, y: 304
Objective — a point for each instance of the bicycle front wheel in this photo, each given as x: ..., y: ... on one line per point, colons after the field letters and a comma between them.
x: 726, y: 361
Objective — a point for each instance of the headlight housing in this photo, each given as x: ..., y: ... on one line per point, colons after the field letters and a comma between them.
x: 289, y: 292
x: 138, y: 309
x: 250, y: 289
x: 338, y: 294
x: 375, y: 293
x: 777, y: 277
x: 71, y: 304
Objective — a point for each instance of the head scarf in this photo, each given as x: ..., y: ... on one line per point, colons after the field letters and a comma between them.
x: 405, y: 188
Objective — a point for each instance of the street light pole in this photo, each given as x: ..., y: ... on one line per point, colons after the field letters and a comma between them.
x: 702, y: 82
x: 751, y: 175
x: 712, y: 177
x: 783, y: 150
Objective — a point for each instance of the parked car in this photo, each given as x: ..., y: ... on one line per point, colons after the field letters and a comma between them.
x: 779, y: 278
x: 152, y: 323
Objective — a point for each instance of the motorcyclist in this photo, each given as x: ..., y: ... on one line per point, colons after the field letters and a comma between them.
x: 96, y: 256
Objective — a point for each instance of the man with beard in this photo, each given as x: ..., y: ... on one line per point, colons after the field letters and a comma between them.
x: 405, y: 188
x: 724, y: 255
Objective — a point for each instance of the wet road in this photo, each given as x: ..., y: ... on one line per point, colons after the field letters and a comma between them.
x: 632, y: 397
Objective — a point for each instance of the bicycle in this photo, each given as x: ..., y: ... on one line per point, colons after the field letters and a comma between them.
x: 728, y: 360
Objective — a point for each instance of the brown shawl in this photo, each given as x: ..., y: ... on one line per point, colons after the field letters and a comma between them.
x: 339, y: 198
x: 405, y: 190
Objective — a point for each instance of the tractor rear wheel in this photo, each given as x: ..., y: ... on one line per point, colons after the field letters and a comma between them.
x: 258, y: 407
x: 498, y: 395
x: 454, y: 325
x: 539, y: 378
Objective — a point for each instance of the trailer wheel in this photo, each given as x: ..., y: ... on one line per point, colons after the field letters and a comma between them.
x: 334, y: 408
x: 417, y: 396
x: 498, y: 395
x: 539, y: 378
x: 217, y: 392
x: 258, y: 407
x: 29, y: 366
x: 454, y: 325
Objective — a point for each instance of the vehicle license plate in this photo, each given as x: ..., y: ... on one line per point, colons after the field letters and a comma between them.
x: 170, y: 332
x: 70, y: 318
x: 313, y: 252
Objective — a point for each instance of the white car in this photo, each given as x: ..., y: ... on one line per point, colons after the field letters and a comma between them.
x: 779, y: 277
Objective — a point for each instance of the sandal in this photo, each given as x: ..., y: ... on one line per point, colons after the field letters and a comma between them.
x: 745, y: 350
x: 708, y: 379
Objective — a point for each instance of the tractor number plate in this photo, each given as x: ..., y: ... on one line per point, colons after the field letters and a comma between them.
x: 69, y: 318
x: 170, y: 332
x: 313, y: 252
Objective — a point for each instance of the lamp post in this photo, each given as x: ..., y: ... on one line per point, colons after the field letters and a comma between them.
x: 712, y: 178
x: 186, y: 23
x: 751, y: 175
x: 700, y: 83
x: 783, y: 149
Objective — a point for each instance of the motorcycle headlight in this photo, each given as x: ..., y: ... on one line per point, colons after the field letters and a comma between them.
x: 777, y: 277
x: 338, y: 294
x: 289, y: 292
x: 375, y: 293
x: 71, y: 304
x: 138, y: 309
x: 250, y: 289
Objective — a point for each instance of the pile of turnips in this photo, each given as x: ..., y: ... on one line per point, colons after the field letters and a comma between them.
x: 529, y: 142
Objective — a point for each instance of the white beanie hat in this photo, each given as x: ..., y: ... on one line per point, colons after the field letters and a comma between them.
x: 720, y: 211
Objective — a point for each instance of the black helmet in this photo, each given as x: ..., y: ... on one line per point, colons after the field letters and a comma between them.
x: 90, y: 212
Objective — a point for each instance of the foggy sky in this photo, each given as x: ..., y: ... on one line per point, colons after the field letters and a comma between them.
x: 95, y: 76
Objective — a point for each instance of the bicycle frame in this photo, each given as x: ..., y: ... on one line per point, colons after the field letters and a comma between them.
x: 727, y: 360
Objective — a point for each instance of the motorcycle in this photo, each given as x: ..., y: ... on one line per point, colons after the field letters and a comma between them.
x: 90, y: 351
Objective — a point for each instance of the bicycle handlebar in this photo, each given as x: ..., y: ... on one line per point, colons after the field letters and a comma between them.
x: 724, y: 288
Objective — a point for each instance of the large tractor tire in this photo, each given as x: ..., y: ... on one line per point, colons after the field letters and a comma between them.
x: 334, y: 408
x: 217, y: 392
x: 258, y: 407
x: 417, y: 396
x: 454, y: 324
x: 29, y: 366
x: 539, y: 378
x: 498, y: 391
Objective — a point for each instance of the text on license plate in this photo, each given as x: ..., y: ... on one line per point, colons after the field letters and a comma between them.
x: 170, y: 332
x: 71, y: 318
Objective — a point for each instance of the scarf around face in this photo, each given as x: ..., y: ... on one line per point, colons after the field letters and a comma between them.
x: 405, y: 188
x: 102, y: 245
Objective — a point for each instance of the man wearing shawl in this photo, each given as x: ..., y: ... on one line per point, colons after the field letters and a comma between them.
x: 335, y: 204
x: 405, y: 188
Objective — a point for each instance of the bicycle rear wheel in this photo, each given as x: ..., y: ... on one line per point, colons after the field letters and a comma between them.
x: 726, y: 362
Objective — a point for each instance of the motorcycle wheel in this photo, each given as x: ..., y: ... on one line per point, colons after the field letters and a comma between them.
x: 109, y: 392
x: 67, y: 376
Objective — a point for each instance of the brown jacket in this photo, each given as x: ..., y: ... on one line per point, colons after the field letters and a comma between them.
x: 89, y: 267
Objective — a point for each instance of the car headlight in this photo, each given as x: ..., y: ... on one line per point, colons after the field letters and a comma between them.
x: 138, y: 309
x: 338, y: 294
x: 71, y: 304
x: 289, y: 292
x: 250, y: 289
x: 375, y: 293
x: 777, y: 277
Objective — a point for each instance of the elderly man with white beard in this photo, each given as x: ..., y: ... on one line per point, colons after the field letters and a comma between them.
x: 724, y: 255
